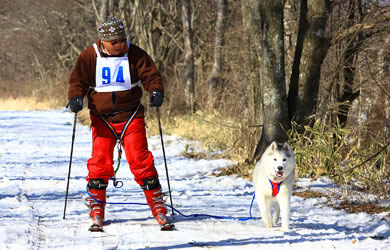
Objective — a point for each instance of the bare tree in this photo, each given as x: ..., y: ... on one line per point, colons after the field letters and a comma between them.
x: 268, y: 23
x: 104, y: 10
x: 249, y: 65
x: 311, y: 48
x: 347, y: 94
x: 218, y: 54
x: 127, y: 15
x: 384, y: 73
x: 356, y: 23
x: 189, y: 56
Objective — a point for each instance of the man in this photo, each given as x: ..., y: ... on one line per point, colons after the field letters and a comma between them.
x: 110, y: 73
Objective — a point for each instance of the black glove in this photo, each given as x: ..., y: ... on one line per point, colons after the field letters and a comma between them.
x: 76, y: 104
x: 156, y: 99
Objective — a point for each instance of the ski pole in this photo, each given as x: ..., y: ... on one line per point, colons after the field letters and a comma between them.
x: 70, y: 161
x: 165, y: 159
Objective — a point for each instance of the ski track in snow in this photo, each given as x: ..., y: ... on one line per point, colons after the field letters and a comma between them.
x: 34, y: 160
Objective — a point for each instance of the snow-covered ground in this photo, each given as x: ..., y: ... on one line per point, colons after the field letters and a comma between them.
x: 34, y: 160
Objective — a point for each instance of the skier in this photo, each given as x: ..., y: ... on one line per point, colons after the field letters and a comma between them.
x: 110, y: 73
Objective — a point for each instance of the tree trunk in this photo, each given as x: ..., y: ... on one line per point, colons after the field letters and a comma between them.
x: 311, y: 49
x: 104, y: 11
x: 347, y: 96
x: 189, y: 56
x: 123, y: 13
x: 111, y: 8
x: 270, y: 46
x: 250, y: 64
x: 384, y: 73
x: 218, y: 55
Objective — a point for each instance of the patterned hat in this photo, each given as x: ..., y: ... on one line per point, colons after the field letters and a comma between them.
x: 112, y: 28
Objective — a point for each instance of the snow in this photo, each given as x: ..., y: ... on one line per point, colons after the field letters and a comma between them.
x: 34, y: 161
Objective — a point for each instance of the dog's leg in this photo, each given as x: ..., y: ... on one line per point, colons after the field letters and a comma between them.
x: 265, y: 209
x: 275, y: 218
x: 284, y: 203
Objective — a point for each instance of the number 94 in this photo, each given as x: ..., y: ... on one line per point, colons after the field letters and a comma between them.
x: 106, y: 75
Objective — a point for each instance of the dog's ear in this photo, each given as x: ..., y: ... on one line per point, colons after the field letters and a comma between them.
x: 286, y: 146
x: 274, y: 145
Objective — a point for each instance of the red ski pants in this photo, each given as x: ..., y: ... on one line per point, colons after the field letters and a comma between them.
x: 135, y: 145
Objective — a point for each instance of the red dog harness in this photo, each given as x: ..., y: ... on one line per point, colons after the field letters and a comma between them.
x: 275, y: 187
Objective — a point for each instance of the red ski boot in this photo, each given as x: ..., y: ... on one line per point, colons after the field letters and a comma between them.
x: 97, y: 224
x: 154, y: 198
x: 165, y: 224
x: 96, y: 207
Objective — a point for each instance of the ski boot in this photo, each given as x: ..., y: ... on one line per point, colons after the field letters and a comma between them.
x: 154, y: 198
x: 97, y: 189
x: 97, y: 224
x: 165, y: 224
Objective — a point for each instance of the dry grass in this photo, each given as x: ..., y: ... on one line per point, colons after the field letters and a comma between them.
x: 345, y: 205
x: 27, y: 103
x: 217, y: 134
x: 331, y: 151
x: 50, y: 93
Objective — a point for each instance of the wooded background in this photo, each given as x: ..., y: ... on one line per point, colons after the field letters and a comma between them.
x: 272, y: 66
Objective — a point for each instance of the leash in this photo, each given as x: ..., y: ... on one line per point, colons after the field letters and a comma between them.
x: 180, y: 213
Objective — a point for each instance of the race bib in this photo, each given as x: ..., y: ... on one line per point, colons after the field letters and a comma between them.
x: 112, y: 74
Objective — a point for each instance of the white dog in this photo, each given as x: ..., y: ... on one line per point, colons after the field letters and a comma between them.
x: 273, y: 179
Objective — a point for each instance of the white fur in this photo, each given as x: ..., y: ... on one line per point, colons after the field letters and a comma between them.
x: 276, y: 164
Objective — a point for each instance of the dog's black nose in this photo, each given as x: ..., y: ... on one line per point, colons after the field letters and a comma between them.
x: 280, y: 168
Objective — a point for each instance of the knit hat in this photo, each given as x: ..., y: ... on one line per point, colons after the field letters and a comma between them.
x: 112, y: 28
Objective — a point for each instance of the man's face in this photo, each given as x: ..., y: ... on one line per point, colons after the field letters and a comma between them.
x: 114, y: 48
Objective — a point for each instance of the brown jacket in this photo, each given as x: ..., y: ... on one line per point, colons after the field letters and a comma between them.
x: 82, y: 81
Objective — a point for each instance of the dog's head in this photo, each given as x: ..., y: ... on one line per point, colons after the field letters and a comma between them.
x: 279, y: 160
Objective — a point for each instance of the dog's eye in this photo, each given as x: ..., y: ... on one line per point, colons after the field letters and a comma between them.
x: 284, y: 159
x: 275, y: 159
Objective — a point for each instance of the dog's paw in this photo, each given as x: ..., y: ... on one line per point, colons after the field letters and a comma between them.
x: 268, y: 225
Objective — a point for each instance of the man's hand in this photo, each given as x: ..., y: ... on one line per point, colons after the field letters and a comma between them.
x: 156, y: 99
x: 76, y: 104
